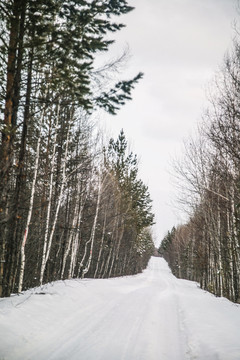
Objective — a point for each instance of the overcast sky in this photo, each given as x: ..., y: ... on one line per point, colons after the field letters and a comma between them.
x: 179, y: 45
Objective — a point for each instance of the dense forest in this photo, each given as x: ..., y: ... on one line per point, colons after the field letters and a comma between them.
x: 71, y: 204
x: 207, y: 248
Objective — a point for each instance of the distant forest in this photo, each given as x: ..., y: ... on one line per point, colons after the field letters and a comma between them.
x: 207, y: 248
x: 70, y: 204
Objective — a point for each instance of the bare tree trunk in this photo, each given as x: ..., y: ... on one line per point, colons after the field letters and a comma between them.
x: 101, y: 245
x: 75, y: 242
x: 230, y: 251
x: 72, y: 239
x: 24, y: 240
x: 107, y: 263
x: 92, y: 236
x: 48, y: 244
x: 50, y: 192
x: 74, y: 235
x: 220, y: 270
x: 118, y: 238
x: 235, y: 254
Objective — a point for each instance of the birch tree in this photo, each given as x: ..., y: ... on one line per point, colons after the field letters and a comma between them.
x: 24, y: 240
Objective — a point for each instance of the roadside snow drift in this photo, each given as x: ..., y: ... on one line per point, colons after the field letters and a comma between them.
x: 149, y: 316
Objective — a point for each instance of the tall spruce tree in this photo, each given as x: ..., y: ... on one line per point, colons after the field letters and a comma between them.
x: 124, y: 165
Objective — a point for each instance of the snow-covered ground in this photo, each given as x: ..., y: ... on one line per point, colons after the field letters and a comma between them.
x: 149, y: 316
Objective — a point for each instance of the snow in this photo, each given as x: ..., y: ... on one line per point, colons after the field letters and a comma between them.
x: 148, y: 316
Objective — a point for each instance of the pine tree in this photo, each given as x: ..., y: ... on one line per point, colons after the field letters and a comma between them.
x: 135, y: 200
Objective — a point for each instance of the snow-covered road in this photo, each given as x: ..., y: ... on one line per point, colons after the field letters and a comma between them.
x: 149, y: 316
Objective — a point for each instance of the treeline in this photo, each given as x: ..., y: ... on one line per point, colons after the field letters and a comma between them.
x: 207, y: 248
x: 69, y: 207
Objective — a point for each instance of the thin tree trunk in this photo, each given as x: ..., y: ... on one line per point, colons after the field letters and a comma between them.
x: 117, y: 244
x: 47, y: 247
x: 50, y: 190
x: 71, y: 241
x: 107, y: 263
x: 101, y: 245
x: 24, y: 240
x: 92, y: 237
x: 220, y: 271
x: 75, y: 243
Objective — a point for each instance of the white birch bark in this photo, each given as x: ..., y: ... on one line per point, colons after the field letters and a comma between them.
x: 66, y: 252
x: 101, y: 245
x: 75, y: 246
x: 120, y: 236
x: 73, y: 236
x: 235, y: 258
x: 92, y: 236
x: 219, y: 250
x: 50, y: 192
x: 230, y: 250
x: 115, y: 251
x: 75, y: 242
x: 74, y: 249
x: 25, y: 236
x: 49, y: 242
